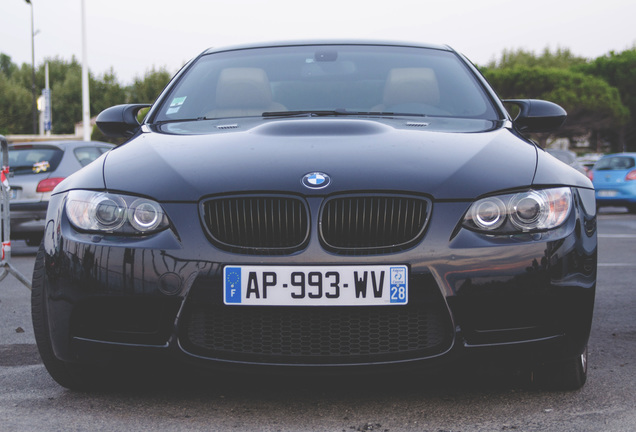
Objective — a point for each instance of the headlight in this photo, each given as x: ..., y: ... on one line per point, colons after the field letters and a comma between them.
x: 530, y: 211
x: 114, y: 214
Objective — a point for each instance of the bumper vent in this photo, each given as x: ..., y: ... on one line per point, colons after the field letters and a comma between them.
x: 317, y: 335
x: 371, y: 224
x: 257, y: 225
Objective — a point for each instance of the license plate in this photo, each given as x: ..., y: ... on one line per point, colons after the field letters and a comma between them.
x: 607, y: 193
x: 315, y: 285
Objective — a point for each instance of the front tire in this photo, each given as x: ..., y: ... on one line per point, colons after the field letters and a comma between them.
x: 569, y: 374
x: 73, y: 376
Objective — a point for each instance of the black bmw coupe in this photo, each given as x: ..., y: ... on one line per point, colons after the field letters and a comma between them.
x: 321, y: 206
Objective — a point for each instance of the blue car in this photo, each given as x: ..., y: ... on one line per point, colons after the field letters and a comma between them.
x: 614, y: 178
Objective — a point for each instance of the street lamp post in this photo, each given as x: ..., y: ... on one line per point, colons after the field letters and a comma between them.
x: 86, y: 107
x: 33, y: 106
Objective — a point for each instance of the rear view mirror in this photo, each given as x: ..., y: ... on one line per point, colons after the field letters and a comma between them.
x: 120, y: 121
x: 537, y: 115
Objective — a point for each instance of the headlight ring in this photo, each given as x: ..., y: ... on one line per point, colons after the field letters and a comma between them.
x: 145, y: 215
x: 489, y: 213
x: 108, y: 211
x: 529, y: 210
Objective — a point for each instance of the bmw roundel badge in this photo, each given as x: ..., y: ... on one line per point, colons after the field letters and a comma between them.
x: 316, y: 180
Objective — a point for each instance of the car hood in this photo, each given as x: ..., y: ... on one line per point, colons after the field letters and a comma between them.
x: 174, y: 164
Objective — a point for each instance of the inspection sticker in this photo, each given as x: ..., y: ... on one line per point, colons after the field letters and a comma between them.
x: 176, y: 104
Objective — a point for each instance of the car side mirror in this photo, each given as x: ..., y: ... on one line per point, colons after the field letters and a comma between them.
x: 537, y: 115
x: 120, y: 121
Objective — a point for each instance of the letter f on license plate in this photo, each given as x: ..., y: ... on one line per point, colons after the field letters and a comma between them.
x: 232, y: 285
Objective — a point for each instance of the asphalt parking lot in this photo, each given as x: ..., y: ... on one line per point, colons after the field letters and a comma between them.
x: 454, y: 400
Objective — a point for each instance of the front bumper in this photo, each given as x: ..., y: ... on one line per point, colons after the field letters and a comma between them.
x: 529, y: 296
x: 616, y: 194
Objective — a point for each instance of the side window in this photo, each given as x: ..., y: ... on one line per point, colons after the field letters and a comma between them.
x: 86, y: 155
x: 627, y: 163
x: 615, y: 163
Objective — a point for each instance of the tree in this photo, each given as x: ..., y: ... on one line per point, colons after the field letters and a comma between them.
x: 15, y: 109
x: 561, y: 58
x: 594, y: 106
x: 66, y: 91
x: 619, y: 70
x: 15, y: 97
x: 66, y: 95
x: 105, y: 92
x: 6, y: 65
x: 146, y: 89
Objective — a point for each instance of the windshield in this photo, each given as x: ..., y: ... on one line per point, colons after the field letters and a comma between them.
x: 330, y: 79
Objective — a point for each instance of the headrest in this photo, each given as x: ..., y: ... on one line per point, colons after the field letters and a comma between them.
x: 411, y: 85
x: 243, y: 88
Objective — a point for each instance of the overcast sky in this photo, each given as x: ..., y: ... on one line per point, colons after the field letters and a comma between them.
x: 133, y: 36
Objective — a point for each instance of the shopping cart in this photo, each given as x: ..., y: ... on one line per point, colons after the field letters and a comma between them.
x: 6, y: 267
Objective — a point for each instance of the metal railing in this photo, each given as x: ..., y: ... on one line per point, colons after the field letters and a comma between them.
x: 6, y: 267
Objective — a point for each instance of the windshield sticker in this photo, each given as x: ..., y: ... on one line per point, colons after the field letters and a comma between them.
x: 175, y: 105
x: 178, y: 101
x: 39, y: 167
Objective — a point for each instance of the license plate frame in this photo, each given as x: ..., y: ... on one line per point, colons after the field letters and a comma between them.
x: 330, y: 285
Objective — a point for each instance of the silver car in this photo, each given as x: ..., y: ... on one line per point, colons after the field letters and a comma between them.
x: 35, y: 169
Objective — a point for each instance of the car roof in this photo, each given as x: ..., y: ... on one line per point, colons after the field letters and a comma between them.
x: 629, y: 154
x: 559, y: 151
x: 61, y: 144
x: 326, y: 42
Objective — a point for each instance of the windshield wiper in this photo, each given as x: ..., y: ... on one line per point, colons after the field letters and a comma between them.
x: 21, y: 168
x: 305, y: 113
x: 336, y: 112
x: 160, y: 122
